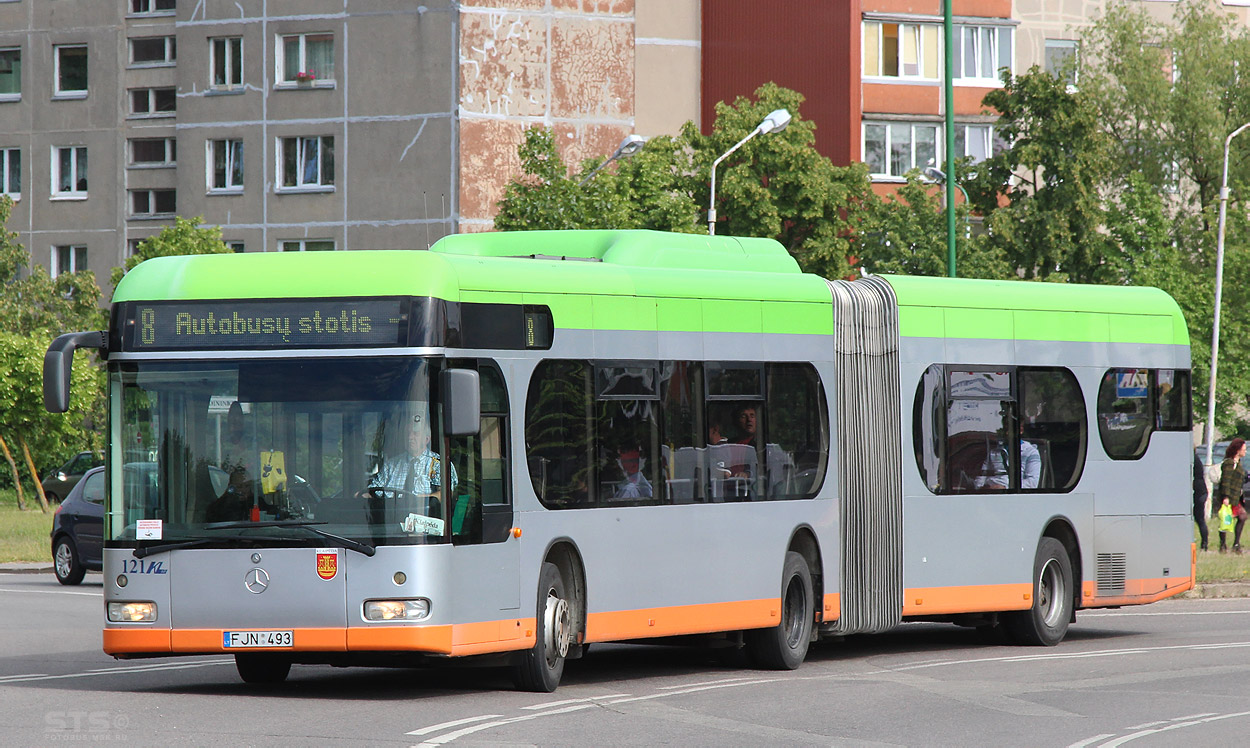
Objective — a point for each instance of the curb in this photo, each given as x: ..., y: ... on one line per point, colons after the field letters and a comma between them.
x: 1214, y: 590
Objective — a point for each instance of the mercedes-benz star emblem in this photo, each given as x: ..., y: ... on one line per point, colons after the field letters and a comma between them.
x: 257, y: 580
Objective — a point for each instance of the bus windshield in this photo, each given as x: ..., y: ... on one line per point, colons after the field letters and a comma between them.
x: 276, y: 452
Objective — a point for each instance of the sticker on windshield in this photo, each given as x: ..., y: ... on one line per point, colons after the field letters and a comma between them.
x: 327, y: 562
x: 148, y: 529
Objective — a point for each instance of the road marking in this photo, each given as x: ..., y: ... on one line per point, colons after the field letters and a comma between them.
x: 55, y: 592
x: 1068, y: 656
x: 1175, y: 724
x: 573, y: 701
x: 138, y: 669
x: 453, y: 723
x: 1122, y: 614
x: 1091, y: 741
x: 441, y: 739
x: 706, y: 683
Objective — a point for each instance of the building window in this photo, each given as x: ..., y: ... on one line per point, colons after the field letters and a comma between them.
x: 980, y: 52
x: 236, y: 247
x: 901, y: 50
x: 304, y: 58
x: 1061, y: 59
x: 153, y: 102
x: 892, y: 149
x: 68, y: 259
x: 306, y: 162
x: 148, y: 203
x: 152, y: 7
x: 71, y: 70
x: 69, y: 171
x: 977, y: 142
x: 153, y: 50
x: 308, y: 245
x: 153, y: 152
x: 226, y: 61
x: 11, y: 172
x: 10, y: 74
x: 225, y: 165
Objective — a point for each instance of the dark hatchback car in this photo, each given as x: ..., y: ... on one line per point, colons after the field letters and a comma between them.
x: 58, y: 483
x: 78, y: 529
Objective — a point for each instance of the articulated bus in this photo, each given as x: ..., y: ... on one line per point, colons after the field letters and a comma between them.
x: 514, y: 445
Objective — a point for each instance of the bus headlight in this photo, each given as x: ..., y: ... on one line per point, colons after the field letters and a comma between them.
x: 397, y: 610
x: 133, y: 612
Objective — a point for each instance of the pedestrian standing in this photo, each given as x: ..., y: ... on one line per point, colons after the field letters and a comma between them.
x: 1232, y: 480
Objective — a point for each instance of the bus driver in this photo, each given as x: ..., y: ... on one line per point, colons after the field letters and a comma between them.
x: 417, y: 471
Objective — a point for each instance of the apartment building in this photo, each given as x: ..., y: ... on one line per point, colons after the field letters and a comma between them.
x: 312, y: 124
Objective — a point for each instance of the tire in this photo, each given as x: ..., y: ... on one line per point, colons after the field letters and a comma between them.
x: 784, y: 647
x: 540, y: 669
x: 65, y: 562
x: 51, y: 497
x: 262, y: 668
x: 1046, y: 623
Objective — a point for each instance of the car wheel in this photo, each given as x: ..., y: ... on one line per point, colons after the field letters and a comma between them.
x: 51, y: 497
x: 1046, y: 622
x: 540, y: 669
x: 784, y: 646
x: 66, y: 563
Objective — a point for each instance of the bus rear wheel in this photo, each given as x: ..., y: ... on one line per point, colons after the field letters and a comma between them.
x: 1046, y: 622
x: 784, y: 647
x: 262, y: 668
x: 541, y: 668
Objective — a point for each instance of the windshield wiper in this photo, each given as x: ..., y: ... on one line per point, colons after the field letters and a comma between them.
x: 348, y: 543
x: 148, y: 550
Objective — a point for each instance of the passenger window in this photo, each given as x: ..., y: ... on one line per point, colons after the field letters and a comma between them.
x: 481, y: 465
x: 1052, y: 429
x: 1125, y: 417
x: 627, y: 433
x: 558, y: 439
x: 1175, y: 403
x: 93, y: 488
x: 798, y: 436
x: 981, y: 431
x: 682, y: 450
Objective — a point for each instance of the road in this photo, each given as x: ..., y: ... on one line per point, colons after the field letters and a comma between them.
x: 1172, y: 673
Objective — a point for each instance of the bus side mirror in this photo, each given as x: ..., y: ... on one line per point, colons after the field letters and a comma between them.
x: 462, y: 402
x: 56, y: 366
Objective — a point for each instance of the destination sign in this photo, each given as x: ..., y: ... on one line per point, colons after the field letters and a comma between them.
x: 304, y: 323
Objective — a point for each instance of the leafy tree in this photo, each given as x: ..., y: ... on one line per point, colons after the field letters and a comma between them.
x: 775, y: 185
x: 185, y: 237
x: 37, y: 308
x: 1041, y: 196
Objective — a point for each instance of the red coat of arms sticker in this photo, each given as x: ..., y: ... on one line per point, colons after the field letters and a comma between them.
x: 327, y: 563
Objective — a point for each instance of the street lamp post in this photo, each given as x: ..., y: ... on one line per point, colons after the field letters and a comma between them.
x: 1219, y: 290
x: 776, y: 121
x: 628, y: 147
x: 937, y: 176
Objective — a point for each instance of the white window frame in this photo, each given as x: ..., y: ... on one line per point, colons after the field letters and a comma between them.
x: 322, y: 80
x: 14, y: 96
x: 231, y: 155
x: 233, y: 51
x: 1074, y: 48
x: 151, y: 93
x: 77, y: 256
x: 886, y: 176
x: 987, y: 138
x: 170, y: 57
x: 7, y: 187
x: 171, y: 154
x: 77, y: 156
x: 148, y: 8
x: 301, y: 245
x: 920, y: 50
x: 69, y: 93
x: 983, y: 76
x: 151, y: 212
x: 300, y: 185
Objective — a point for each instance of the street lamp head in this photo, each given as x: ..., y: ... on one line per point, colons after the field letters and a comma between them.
x: 776, y: 121
x: 629, y: 146
x: 935, y: 174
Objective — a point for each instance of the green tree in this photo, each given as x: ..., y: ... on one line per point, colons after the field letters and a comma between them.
x: 776, y: 186
x: 185, y: 237
x: 37, y: 308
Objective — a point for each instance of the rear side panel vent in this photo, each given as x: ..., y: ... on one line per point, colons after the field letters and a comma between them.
x: 1111, y: 573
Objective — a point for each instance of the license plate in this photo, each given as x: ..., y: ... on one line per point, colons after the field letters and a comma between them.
x: 231, y: 639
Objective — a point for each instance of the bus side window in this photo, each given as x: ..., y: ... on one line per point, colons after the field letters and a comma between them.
x: 797, y: 434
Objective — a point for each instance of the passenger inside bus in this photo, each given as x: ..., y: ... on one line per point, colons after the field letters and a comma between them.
x: 635, y: 484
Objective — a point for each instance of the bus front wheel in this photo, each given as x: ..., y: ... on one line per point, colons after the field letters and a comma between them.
x: 262, y: 668
x: 541, y: 668
x: 1046, y: 622
x: 784, y: 647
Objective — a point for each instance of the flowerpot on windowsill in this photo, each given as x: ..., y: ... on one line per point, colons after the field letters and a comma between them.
x: 305, y: 79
